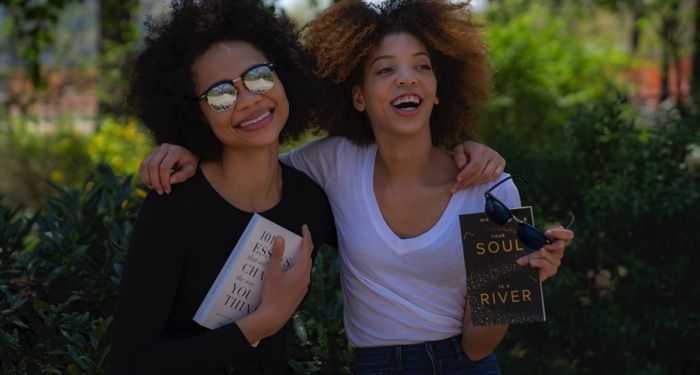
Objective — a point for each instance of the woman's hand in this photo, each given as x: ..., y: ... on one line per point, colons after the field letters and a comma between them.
x: 155, y: 169
x: 478, y: 163
x: 283, y: 291
x: 548, y: 258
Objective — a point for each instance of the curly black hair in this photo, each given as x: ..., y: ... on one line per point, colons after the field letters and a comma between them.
x: 341, y: 38
x: 162, y: 89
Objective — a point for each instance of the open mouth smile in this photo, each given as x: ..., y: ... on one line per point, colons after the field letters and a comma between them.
x: 407, y: 104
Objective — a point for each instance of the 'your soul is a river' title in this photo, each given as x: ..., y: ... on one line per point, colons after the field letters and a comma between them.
x: 499, y: 290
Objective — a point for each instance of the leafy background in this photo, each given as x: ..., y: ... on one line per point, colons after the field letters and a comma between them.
x: 573, y: 111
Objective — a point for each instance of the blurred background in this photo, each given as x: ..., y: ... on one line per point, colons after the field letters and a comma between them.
x: 596, y: 102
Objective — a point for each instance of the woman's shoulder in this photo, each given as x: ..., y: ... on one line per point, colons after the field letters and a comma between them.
x: 178, y: 201
x: 297, y: 181
x: 477, y: 191
x: 507, y: 186
x: 325, y: 147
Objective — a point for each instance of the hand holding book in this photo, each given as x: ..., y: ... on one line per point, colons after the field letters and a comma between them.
x: 282, y: 291
x: 548, y: 258
x: 501, y: 292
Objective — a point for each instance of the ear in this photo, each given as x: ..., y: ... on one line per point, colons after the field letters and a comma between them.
x: 436, y: 101
x: 358, y: 100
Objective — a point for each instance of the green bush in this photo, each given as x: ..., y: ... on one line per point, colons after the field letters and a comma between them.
x: 62, y: 154
x: 543, y: 71
x: 318, y: 345
x: 623, y: 301
x: 58, y: 277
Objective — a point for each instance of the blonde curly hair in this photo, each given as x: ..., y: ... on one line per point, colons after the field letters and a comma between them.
x: 341, y: 38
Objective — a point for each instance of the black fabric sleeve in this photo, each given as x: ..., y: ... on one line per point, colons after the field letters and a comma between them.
x: 148, y: 287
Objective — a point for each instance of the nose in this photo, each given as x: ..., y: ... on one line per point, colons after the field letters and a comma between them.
x: 407, y: 78
x: 246, y: 98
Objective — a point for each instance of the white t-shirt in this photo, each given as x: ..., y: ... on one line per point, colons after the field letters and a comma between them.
x: 396, y: 291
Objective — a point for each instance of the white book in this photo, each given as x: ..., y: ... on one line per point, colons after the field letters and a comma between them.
x: 237, y: 290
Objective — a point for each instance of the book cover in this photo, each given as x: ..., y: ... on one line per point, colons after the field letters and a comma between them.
x: 499, y: 290
x: 237, y: 290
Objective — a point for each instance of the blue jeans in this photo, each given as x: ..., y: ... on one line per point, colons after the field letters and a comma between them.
x: 444, y: 357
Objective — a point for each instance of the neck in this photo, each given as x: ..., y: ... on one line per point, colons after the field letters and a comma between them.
x: 250, y: 179
x: 410, y: 160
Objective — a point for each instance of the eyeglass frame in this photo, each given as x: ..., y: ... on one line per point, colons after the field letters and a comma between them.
x: 488, y: 195
x: 203, y: 96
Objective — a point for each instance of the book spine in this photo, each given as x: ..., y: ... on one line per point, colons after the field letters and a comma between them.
x: 206, y: 306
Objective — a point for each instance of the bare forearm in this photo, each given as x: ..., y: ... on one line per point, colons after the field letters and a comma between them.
x: 478, y: 342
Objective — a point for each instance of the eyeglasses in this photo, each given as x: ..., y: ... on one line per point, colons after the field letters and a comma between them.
x: 222, y: 95
x: 500, y: 214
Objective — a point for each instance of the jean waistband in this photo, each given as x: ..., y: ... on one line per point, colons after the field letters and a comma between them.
x: 452, y: 345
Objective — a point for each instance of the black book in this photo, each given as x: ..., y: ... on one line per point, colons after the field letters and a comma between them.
x: 499, y: 290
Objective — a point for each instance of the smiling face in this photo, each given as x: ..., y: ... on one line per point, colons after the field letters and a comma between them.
x: 255, y: 119
x: 399, y: 87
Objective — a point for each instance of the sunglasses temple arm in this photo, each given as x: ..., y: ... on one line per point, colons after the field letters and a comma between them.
x: 514, y: 176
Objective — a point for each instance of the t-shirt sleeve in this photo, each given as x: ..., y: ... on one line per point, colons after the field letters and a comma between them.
x: 147, y: 290
x: 507, y: 193
x: 317, y: 159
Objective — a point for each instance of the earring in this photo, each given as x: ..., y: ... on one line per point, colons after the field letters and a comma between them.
x: 436, y: 101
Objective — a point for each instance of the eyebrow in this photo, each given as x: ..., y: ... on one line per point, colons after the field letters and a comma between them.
x: 380, y: 57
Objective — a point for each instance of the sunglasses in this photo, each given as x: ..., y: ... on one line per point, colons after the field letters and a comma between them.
x: 500, y: 214
x: 222, y: 95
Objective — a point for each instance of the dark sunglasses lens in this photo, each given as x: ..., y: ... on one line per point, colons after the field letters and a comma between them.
x: 496, y: 211
x: 259, y: 79
x: 532, y: 238
x: 221, y: 97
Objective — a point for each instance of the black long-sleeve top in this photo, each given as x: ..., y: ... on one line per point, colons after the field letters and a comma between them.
x: 179, y: 244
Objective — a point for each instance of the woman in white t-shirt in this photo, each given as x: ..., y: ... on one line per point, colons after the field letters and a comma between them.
x: 403, y: 77
x: 418, y: 70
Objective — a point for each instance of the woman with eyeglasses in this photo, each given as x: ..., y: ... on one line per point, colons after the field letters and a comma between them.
x: 227, y: 79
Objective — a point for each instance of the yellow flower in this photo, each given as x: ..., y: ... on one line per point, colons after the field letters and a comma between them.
x: 57, y: 176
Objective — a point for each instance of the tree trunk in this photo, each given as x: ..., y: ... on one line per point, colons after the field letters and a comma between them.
x: 671, y: 52
x: 117, y: 34
x: 695, y: 72
x: 637, y: 14
x: 665, y: 57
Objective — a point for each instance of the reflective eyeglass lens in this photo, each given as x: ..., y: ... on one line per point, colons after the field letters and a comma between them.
x: 259, y: 80
x: 222, y: 97
x: 531, y: 237
x: 497, y: 212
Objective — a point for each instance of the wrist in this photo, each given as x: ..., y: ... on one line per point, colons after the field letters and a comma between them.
x: 258, y: 325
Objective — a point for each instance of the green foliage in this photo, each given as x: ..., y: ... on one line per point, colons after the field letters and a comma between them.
x: 122, y: 146
x: 542, y: 71
x: 58, y: 277
x: 623, y: 301
x: 31, y: 26
x: 62, y: 154
x: 318, y: 345
x: 32, y: 156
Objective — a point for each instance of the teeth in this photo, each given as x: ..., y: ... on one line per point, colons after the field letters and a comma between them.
x: 248, y: 123
x: 406, y: 99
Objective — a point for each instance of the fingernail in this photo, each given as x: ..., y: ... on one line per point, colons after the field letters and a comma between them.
x: 548, y: 233
x: 160, y: 192
x: 521, y: 261
x: 173, y: 180
x: 460, y: 178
